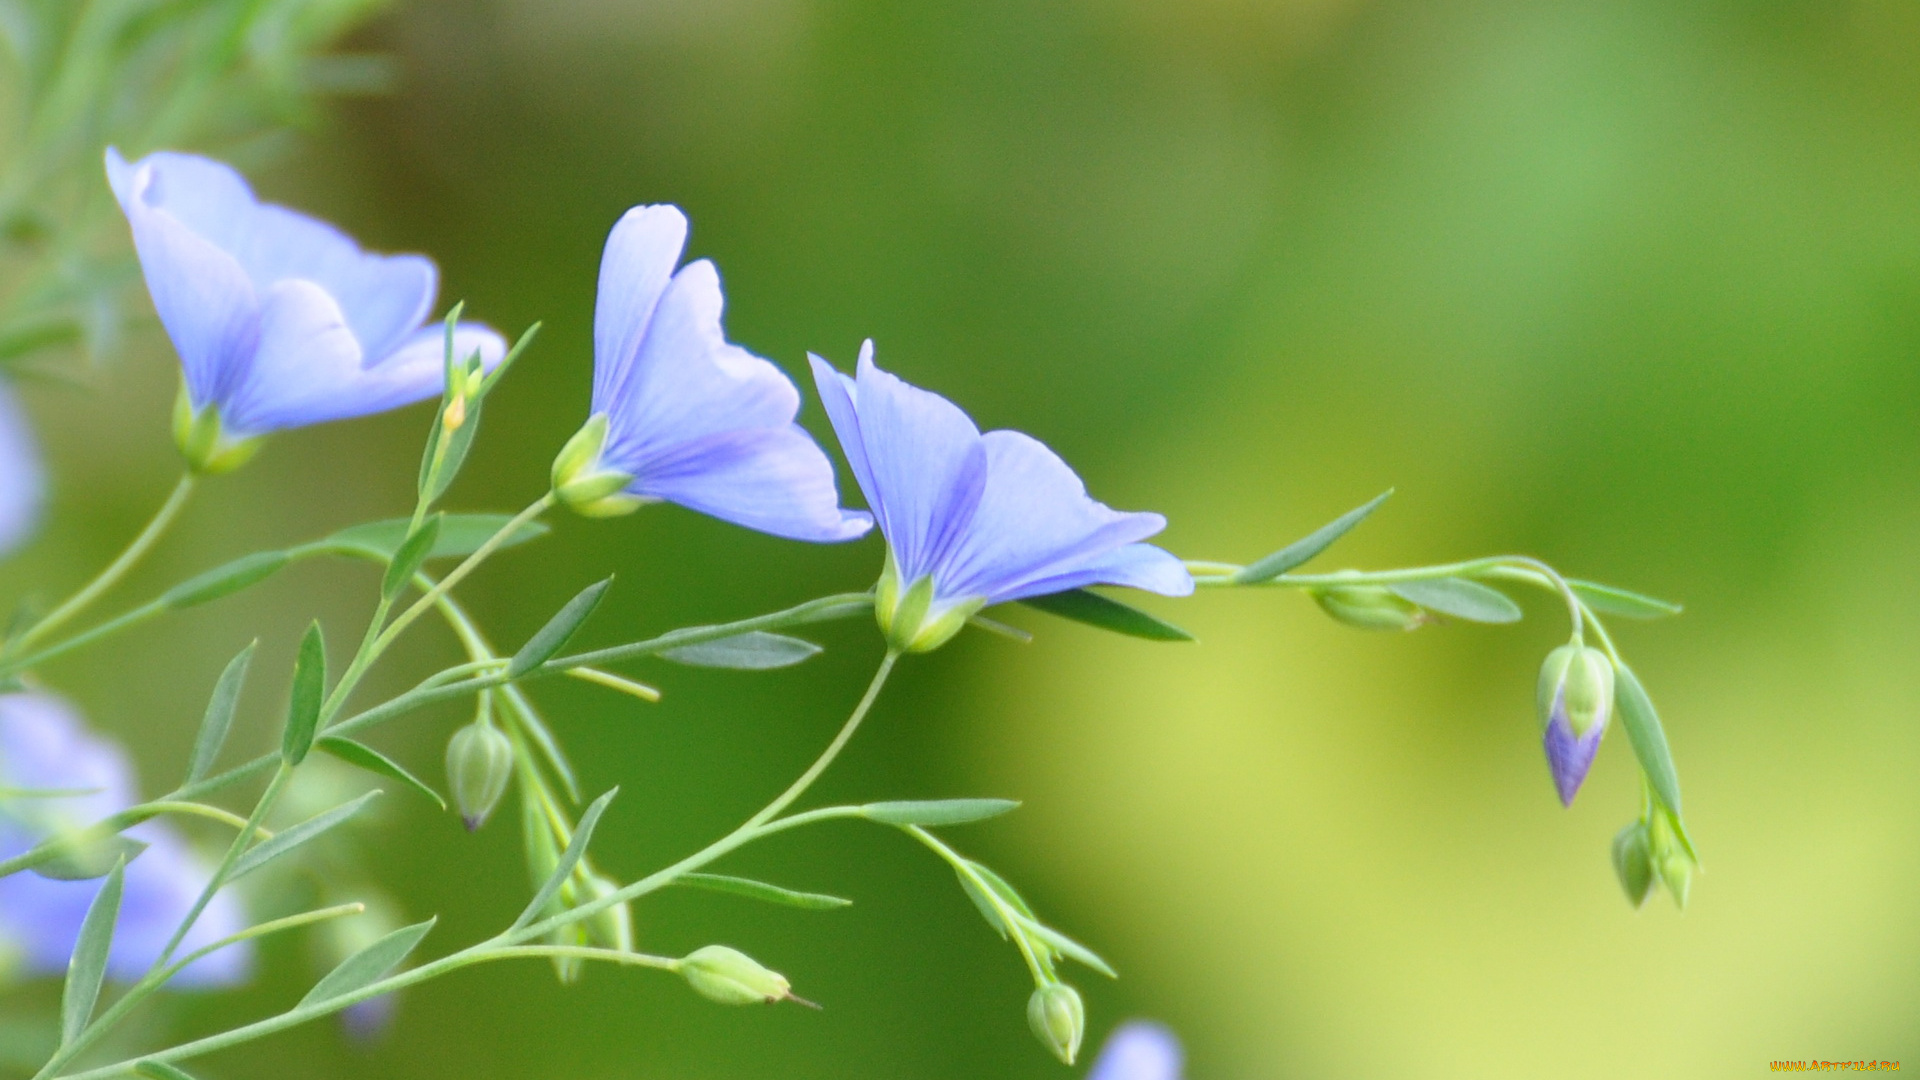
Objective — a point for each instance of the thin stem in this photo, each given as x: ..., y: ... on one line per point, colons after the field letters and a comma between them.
x: 582, y: 952
x: 116, y: 569
x: 122, y: 621
x: 211, y: 813
x: 239, y: 846
x: 964, y: 866
x: 467, y: 566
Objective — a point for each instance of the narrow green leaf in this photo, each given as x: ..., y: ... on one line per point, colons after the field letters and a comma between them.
x: 500, y: 370
x: 294, y: 836
x: 225, y: 580
x: 754, y: 650
x: 1609, y: 600
x: 88, y: 967
x: 366, y: 757
x: 460, y: 535
x: 1461, y: 599
x: 1082, y: 605
x: 86, y: 855
x: 548, y: 641
x: 369, y: 965
x: 160, y: 1070
x: 413, y: 551
x: 936, y: 812
x: 219, y: 718
x: 1301, y: 550
x: 570, y: 858
x: 1649, y: 740
x: 457, y: 448
x: 760, y: 890
x: 309, y: 690
x: 999, y: 887
x: 1066, y: 946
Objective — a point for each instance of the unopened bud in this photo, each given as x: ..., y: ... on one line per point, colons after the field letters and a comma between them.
x: 1369, y: 607
x: 479, y: 764
x: 1575, y: 699
x: 1058, y: 1019
x: 204, y: 442
x: 610, y: 927
x: 731, y: 977
x: 1670, y: 858
x: 1633, y: 863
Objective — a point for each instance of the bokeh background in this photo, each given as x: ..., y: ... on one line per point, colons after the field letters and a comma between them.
x: 1631, y: 286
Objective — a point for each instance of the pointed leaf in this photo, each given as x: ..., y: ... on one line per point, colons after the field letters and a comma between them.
x: 88, y: 967
x: 457, y: 448
x: 754, y: 650
x: 87, y: 855
x: 998, y: 886
x: 160, y: 1070
x: 570, y: 858
x: 1609, y: 600
x: 460, y: 535
x: 366, y: 757
x: 492, y: 378
x: 1648, y: 738
x: 1082, y: 605
x: 293, y: 836
x: 369, y: 965
x: 936, y: 812
x: 548, y: 641
x: 1066, y: 946
x: 413, y: 551
x: 219, y: 718
x: 760, y: 890
x: 225, y: 580
x: 309, y: 690
x: 1301, y: 550
x: 1461, y: 599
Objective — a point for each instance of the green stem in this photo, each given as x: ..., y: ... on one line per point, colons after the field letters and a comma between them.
x: 115, y: 570
x: 1010, y: 917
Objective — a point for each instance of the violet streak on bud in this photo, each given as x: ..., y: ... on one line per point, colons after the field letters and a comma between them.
x: 1058, y: 1018
x: 479, y: 764
x: 1575, y: 699
x: 731, y: 977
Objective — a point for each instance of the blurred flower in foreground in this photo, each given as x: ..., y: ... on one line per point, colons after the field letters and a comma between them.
x: 1138, y: 1051
x: 973, y: 519
x: 22, y: 483
x: 55, y: 775
x: 681, y: 414
x: 280, y: 319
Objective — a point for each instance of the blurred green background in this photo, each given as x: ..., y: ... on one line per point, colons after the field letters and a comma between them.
x: 1634, y: 287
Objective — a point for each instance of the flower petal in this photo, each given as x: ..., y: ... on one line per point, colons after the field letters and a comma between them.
x: 1037, y: 531
x: 1569, y: 756
x: 22, y: 479
x: 1139, y: 1051
x: 640, y: 255
x: 776, y: 480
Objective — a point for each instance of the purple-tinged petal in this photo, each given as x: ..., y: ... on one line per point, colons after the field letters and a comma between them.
x: 23, y: 483
x: 775, y: 480
x: 1139, y: 1051
x: 1136, y: 566
x: 1570, y: 756
x: 640, y: 255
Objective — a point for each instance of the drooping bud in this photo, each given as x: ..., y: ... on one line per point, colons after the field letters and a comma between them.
x: 479, y: 764
x: 611, y: 927
x: 731, y: 977
x: 1669, y: 858
x: 913, y: 619
x: 1058, y: 1019
x: 204, y: 442
x: 584, y: 484
x: 1633, y: 863
x: 1368, y: 607
x: 1575, y: 699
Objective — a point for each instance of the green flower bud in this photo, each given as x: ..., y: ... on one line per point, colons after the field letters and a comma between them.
x: 611, y: 927
x: 1058, y: 1019
x: 911, y: 620
x: 1368, y: 607
x: 1576, y: 681
x: 583, y: 484
x: 203, y: 442
x: 731, y: 977
x: 1670, y: 858
x: 479, y: 764
x: 1633, y: 863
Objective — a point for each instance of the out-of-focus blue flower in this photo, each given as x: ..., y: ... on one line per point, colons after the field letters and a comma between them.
x: 22, y: 483
x: 1138, y: 1051
x: 973, y: 519
x: 45, y: 752
x: 280, y: 319
x: 680, y: 413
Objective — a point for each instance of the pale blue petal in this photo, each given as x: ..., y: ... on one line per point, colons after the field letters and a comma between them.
x: 1037, y: 531
x: 776, y: 480
x: 1136, y: 566
x: 201, y: 292
x: 640, y: 255
x: 23, y: 483
x: 1139, y: 1051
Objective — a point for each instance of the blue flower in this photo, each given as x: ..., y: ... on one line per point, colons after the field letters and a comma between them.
x: 22, y: 482
x: 58, y: 776
x: 280, y: 320
x: 973, y: 519
x: 681, y: 414
x: 1138, y: 1051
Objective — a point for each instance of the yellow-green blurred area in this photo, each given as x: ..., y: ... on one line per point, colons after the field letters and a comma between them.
x: 1633, y: 287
